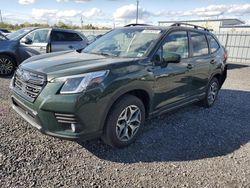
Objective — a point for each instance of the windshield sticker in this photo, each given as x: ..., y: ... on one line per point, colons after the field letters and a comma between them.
x: 151, y: 31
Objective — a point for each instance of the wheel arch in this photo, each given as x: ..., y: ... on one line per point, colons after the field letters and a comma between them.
x: 142, y: 93
x: 220, y: 75
x: 220, y: 78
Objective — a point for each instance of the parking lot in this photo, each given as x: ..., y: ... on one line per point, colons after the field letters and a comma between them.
x: 191, y: 147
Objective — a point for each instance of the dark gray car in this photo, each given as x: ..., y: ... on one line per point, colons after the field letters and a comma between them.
x: 28, y: 42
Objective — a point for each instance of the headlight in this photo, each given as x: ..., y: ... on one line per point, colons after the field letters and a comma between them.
x: 78, y: 83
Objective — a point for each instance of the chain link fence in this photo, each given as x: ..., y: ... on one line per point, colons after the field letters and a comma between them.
x: 93, y: 32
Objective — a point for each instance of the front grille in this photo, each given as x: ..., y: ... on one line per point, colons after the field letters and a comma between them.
x: 28, y: 84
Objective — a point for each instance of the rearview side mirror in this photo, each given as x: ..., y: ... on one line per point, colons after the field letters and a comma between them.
x: 169, y: 57
x: 26, y: 40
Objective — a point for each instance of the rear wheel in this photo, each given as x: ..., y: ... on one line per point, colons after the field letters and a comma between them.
x: 7, y: 65
x: 124, y: 121
x: 211, y: 93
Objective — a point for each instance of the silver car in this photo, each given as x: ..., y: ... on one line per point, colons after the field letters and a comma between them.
x: 27, y: 42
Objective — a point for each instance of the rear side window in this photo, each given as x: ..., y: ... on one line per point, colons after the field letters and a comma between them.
x: 177, y: 42
x: 214, y: 45
x: 59, y: 36
x: 199, y: 44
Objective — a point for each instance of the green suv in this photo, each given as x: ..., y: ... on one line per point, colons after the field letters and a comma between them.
x: 115, y: 83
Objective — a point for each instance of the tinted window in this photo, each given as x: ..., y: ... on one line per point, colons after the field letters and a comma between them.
x: 59, y: 36
x: 199, y: 44
x: 176, y: 42
x: 38, y: 36
x: 4, y: 30
x: 214, y: 46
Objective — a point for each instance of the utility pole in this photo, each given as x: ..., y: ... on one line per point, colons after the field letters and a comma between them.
x: 137, y: 11
x: 1, y: 18
x: 81, y: 22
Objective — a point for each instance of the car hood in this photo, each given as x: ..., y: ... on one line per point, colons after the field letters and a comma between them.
x: 70, y: 63
x: 6, y: 44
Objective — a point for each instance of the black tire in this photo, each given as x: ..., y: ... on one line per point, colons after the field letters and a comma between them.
x: 211, y: 98
x: 7, y: 65
x: 114, y: 135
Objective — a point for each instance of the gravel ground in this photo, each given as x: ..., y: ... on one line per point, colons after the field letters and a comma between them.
x: 191, y: 147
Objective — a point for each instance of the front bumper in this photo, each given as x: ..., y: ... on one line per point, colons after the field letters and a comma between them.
x: 32, y: 118
x: 81, y: 116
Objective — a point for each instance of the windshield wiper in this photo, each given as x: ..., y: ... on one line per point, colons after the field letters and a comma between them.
x: 103, y: 53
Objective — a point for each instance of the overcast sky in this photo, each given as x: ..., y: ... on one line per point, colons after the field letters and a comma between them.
x: 120, y: 12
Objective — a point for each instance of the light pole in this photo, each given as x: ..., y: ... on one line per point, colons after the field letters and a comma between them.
x: 1, y: 18
x: 81, y: 22
x: 137, y: 11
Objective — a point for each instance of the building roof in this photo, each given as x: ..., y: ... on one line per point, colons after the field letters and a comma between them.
x: 228, y: 21
x: 236, y: 26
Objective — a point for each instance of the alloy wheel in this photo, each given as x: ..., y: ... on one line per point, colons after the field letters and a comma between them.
x: 6, y: 66
x: 128, y: 123
x: 212, y: 93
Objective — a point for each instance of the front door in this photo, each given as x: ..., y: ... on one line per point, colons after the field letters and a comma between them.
x: 34, y: 43
x: 172, y: 80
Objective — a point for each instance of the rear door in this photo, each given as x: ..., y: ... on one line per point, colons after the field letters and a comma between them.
x: 38, y: 43
x: 199, y: 66
x: 62, y: 40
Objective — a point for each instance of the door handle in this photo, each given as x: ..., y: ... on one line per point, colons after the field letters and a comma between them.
x: 71, y: 47
x: 212, y: 61
x: 189, y: 66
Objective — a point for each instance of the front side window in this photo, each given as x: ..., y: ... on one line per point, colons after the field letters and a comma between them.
x: 125, y: 42
x: 38, y: 36
x: 214, y: 46
x: 199, y: 44
x: 176, y: 42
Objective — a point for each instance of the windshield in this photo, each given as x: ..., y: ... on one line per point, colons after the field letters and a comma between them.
x: 125, y: 42
x: 19, y: 33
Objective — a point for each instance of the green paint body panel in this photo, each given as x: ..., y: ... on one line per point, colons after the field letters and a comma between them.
x: 165, y: 87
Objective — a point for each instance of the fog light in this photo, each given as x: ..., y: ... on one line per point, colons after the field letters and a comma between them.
x: 73, y: 127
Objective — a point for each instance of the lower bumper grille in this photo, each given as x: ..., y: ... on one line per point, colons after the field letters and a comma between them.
x: 66, y: 118
x: 28, y: 114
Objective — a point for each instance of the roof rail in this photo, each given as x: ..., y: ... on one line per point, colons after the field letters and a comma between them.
x: 195, y: 26
x: 135, y: 24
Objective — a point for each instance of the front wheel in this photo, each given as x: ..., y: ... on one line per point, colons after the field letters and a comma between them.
x: 124, y: 121
x: 211, y: 93
x: 7, y: 65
